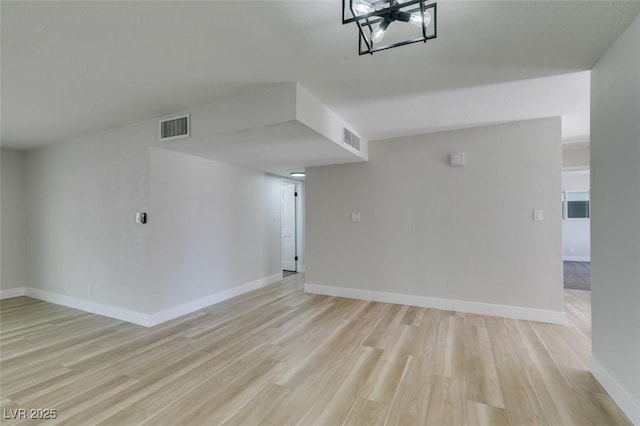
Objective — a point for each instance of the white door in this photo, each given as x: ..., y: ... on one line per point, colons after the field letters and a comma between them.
x: 288, y: 227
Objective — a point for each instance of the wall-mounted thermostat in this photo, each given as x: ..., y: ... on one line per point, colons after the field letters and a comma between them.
x: 141, y: 217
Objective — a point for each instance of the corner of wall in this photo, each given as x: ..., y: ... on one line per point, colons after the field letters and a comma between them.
x: 12, y: 292
x: 615, y: 230
x: 626, y: 403
x: 110, y: 311
x: 203, y: 302
x: 317, y: 116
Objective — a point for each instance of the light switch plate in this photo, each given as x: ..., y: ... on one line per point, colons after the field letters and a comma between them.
x: 538, y: 215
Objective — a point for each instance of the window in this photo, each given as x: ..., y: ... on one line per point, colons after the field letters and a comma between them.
x: 576, y: 205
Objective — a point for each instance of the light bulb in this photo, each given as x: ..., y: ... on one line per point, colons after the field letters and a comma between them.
x: 377, y: 35
x: 362, y: 7
x: 416, y: 19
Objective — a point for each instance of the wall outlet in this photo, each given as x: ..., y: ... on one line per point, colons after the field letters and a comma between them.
x: 90, y: 289
x: 355, y: 217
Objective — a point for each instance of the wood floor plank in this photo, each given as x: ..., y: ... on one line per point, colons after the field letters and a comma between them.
x: 485, y: 415
x: 84, y: 406
x: 521, y: 400
x: 554, y: 392
x: 366, y: 413
x: 129, y: 416
x: 601, y: 409
x: 225, y: 401
x: 256, y: 408
x: 451, y: 348
x: 339, y: 395
x: 381, y: 333
x: 448, y: 404
x: 481, y: 377
x: 384, y: 381
x: 411, y: 400
x: 279, y: 356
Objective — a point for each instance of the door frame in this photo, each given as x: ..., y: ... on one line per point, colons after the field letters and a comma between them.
x: 299, y: 224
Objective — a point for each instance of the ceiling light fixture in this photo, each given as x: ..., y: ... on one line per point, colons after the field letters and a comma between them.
x: 298, y: 174
x: 374, y: 18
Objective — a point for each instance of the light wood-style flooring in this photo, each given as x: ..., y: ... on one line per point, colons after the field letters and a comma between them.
x: 279, y: 356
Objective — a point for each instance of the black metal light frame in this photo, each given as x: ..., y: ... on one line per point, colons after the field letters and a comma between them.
x: 367, y: 21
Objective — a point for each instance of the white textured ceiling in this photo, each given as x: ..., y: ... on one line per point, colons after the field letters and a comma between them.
x: 72, y: 68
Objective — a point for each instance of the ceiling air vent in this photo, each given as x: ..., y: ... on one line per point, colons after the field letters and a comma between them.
x: 349, y: 138
x: 174, y: 128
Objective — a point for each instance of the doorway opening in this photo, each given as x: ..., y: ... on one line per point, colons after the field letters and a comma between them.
x: 292, y: 235
x: 576, y: 232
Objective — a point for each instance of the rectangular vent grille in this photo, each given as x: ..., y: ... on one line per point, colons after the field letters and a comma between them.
x: 173, y: 128
x: 350, y: 139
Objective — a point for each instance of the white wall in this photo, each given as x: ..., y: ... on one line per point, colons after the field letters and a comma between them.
x: 301, y: 236
x: 615, y: 221
x: 317, y: 116
x: 82, y: 200
x: 85, y: 250
x: 576, y: 233
x: 431, y: 230
x: 13, y: 249
x: 576, y: 240
x: 214, y: 226
x: 576, y: 180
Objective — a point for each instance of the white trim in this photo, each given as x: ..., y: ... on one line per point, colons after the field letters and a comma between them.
x: 13, y: 292
x: 626, y: 403
x: 136, y: 317
x: 194, y: 305
x: 577, y: 170
x: 570, y: 169
x: 517, y: 312
x: 577, y: 259
x: 89, y: 306
x: 576, y: 142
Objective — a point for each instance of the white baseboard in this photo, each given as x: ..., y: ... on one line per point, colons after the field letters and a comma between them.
x: 553, y: 317
x: 577, y: 259
x: 630, y: 407
x: 89, y: 306
x: 13, y: 292
x: 194, y: 305
x: 136, y: 317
